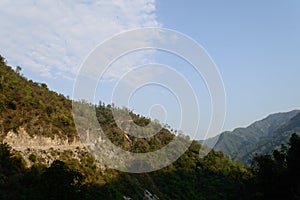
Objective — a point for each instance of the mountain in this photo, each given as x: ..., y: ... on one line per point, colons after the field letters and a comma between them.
x: 261, y: 137
x: 42, y: 157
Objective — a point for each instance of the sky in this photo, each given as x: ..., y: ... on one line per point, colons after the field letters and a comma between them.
x: 254, y: 44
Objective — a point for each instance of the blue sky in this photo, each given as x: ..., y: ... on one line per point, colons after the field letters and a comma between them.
x: 255, y: 44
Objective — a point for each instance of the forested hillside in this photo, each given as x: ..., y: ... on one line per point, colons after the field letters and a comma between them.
x: 77, y: 175
x: 25, y: 103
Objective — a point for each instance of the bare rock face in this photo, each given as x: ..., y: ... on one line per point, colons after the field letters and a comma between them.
x: 20, y: 141
x: 46, y: 149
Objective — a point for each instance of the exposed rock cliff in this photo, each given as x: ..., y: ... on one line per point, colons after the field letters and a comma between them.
x: 45, y: 149
x: 21, y: 141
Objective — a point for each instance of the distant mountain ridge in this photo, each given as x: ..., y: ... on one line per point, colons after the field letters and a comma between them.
x: 261, y: 137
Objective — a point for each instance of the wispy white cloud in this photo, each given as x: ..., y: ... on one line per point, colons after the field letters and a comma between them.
x: 52, y: 37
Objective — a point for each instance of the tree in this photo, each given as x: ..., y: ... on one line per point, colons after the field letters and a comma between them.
x: 11, y: 169
x: 2, y: 60
x: 277, y: 175
x: 18, y: 69
x: 293, y: 166
x: 60, y: 182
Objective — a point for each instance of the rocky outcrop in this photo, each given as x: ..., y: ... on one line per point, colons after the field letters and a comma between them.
x: 45, y: 149
x: 21, y: 141
x: 147, y: 196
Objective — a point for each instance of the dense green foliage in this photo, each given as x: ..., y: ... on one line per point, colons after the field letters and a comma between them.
x: 127, y: 141
x: 31, y: 105
x: 260, y: 137
x: 272, y: 176
x: 212, y: 177
x: 277, y: 175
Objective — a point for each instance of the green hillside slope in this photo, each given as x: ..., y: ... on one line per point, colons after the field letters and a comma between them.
x: 24, y: 103
x: 76, y: 175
